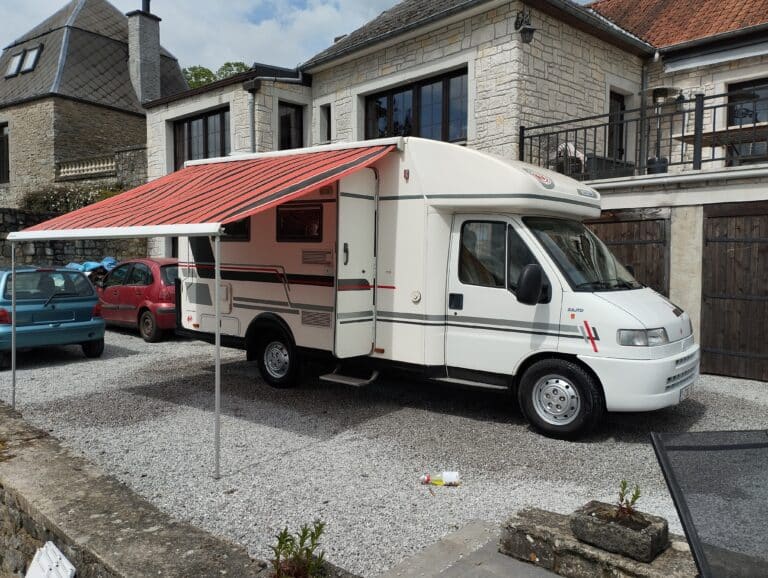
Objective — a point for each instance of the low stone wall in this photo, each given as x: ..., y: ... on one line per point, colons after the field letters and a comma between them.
x: 60, y: 252
x: 545, y: 539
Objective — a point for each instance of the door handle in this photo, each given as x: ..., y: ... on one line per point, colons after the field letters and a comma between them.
x: 456, y: 301
x: 346, y: 253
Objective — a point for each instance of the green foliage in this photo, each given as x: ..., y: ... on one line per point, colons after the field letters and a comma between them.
x: 198, y: 76
x: 65, y: 199
x: 295, y: 554
x: 625, y: 507
x: 230, y: 69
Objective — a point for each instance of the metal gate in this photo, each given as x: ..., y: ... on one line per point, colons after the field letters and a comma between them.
x: 734, y: 316
x: 640, y: 239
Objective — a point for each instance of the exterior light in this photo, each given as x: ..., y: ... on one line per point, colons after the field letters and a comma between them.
x: 523, y: 25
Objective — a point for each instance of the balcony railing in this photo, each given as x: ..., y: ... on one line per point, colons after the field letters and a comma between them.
x: 674, y: 136
x: 86, y: 168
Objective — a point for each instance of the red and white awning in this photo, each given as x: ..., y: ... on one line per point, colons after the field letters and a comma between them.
x: 202, y: 197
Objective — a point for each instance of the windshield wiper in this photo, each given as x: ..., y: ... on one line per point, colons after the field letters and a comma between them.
x: 594, y: 285
x: 58, y: 294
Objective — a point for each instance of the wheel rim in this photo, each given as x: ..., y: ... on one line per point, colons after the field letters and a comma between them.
x: 147, y: 324
x: 276, y: 359
x: 556, y: 400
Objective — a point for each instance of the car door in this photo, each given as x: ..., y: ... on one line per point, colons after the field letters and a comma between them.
x: 487, y: 329
x: 111, y: 293
x: 134, y: 292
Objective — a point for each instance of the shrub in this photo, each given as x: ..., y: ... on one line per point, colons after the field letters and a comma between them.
x: 295, y: 554
x: 625, y: 507
x: 65, y: 199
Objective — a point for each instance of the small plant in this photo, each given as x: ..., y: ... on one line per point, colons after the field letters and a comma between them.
x: 295, y: 554
x: 625, y: 507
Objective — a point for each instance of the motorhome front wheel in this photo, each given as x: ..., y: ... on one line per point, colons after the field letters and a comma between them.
x: 560, y: 399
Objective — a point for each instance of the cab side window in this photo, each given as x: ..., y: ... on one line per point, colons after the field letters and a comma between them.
x: 482, y: 253
x: 141, y: 275
x: 519, y: 256
x: 118, y: 276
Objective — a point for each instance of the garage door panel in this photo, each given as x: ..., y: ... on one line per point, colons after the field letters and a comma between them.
x: 735, y: 291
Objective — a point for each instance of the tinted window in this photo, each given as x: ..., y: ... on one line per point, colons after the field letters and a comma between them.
x: 169, y: 274
x: 141, y: 275
x: 300, y: 223
x: 482, y: 254
x: 117, y: 276
x: 43, y: 284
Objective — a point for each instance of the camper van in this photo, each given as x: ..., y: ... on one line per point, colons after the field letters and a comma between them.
x: 459, y: 266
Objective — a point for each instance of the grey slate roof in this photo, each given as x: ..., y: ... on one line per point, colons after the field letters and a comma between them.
x: 84, y: 56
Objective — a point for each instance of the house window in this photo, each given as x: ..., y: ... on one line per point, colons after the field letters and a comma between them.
x: 201, y: 137
x: 616, y: 110
x: 31, y: 57
x: 5, y: 156
x: 300, y: 223
x: 14, y: 65
x: 435, y: 108
x: 748, y: 106
x: 325, y: 123
x: 290, y: 126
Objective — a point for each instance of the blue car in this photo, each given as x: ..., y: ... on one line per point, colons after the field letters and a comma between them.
x: 53, y: 307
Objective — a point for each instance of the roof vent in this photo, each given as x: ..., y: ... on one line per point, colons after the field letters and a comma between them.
x: 335, y: 40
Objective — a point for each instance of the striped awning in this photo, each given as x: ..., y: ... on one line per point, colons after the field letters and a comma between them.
x: 202, y: 197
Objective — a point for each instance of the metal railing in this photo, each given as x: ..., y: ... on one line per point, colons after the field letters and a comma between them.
x: 715, y: 131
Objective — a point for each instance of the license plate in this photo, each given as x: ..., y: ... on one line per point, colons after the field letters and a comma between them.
x: 686, y: 392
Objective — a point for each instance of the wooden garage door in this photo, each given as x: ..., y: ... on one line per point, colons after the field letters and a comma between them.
x: 734, y: 317
x: 640, y: 239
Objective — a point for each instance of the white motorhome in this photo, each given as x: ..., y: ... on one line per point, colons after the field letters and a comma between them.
x: 461, y: 266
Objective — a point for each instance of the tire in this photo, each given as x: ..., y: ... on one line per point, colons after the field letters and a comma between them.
x: 278, y: 361
x: 93, y: 349
x: 148, y: 327
x: 545, y: 388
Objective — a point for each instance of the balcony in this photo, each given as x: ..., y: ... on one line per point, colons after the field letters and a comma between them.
x: 672, y: 136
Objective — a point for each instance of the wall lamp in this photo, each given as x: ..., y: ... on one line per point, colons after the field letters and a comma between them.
x: 523, y: 25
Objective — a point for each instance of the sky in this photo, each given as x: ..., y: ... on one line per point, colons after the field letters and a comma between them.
x: 211, y: 32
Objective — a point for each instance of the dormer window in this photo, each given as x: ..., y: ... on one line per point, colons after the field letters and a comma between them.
x: 14, y: 65
x: 31, y: 57
x: 24, y: 61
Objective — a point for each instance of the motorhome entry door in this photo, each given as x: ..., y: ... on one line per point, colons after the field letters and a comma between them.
x: 356, y: 265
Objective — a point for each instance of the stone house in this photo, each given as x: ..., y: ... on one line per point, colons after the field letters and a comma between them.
x: 71, y: 94
x: 659, y: 104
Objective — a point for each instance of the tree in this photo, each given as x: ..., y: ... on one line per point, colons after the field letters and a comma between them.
x: 198, y: 76
x: 230, y: 69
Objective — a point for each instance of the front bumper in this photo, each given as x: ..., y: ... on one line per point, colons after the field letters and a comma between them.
x: 645, y: 385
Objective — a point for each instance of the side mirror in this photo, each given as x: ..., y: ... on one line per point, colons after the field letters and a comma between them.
x: 530, y: 285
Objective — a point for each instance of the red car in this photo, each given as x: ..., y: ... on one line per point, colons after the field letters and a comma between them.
x: 141, y: 293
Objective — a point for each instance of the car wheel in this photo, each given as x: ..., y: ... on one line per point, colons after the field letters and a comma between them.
x: 279, y: 361
x: 560, y: 399
x: 148, y: 327
x: 93, y: 349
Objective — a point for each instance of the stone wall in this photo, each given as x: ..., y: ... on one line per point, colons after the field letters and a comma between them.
x: 31, y: 142
x: 60, y: 252
x: 564, y: 73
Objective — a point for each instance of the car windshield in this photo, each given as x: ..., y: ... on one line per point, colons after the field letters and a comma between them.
x: 169, y: 273
x: 583, y: 258
x: 46, y: 284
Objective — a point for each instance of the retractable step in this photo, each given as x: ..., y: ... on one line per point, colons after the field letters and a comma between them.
x: 348, y: 379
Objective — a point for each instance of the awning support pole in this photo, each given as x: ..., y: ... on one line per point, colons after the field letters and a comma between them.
x: 13, y: 325
x: 217, y: 308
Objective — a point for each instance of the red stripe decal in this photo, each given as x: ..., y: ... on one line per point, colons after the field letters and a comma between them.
x: 385, y: 287
x: 591, y: 337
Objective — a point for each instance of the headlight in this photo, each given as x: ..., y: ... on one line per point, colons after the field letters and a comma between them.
x: 642, y: 337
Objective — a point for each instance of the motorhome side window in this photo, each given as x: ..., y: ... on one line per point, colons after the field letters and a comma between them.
x: 482, y: 254
x: 300, y: 223
x: 238, y: 231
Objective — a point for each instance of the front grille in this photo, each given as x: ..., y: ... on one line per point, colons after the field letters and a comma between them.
x: 683, y: 360
x: 678, y: 379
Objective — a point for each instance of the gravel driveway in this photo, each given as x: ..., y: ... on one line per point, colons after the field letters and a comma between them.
x: 352, y: 457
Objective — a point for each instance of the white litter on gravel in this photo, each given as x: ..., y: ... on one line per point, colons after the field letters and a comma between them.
x: 352, y: 457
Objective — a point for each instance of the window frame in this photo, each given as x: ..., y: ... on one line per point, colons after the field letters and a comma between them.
x: 505, y: 282
x: 283, y: 238
x: 14, y: 70
x: 129, y: 280
x: 734, y: 156
x: 299, y: 110
x: 5, y: 153
x: 416, y: 100
x: 183, y: 133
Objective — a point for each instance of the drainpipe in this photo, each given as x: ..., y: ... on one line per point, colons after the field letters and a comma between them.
x: 643, y: 158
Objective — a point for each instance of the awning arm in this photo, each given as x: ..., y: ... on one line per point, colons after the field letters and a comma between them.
x: 188, y: 230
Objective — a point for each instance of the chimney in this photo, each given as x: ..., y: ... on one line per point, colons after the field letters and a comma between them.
x: 144, y: 52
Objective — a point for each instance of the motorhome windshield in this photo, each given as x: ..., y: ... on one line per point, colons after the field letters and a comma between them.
x: 583, y: 258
